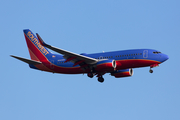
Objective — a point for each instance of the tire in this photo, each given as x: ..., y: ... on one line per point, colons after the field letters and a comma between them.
x: 101, y: 79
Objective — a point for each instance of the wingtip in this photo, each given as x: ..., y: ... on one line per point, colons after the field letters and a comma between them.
x: 40, y: 40
x: 12, y: 56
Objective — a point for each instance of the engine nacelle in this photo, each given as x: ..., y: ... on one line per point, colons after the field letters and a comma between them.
x: 123, y: 73
x: 106, y: 65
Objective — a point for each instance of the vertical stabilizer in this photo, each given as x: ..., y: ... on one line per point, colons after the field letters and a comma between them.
x: 36, y: 50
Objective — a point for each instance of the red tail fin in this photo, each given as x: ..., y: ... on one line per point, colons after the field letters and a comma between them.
x: 36, y: 50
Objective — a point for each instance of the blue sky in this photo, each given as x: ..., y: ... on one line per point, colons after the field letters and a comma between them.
x: 90, y: 27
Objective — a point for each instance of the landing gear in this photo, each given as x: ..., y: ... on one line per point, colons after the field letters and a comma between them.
x: 101, y: 79
x: 151, y: 71
x: 90, y: 75
x: 152, y: 66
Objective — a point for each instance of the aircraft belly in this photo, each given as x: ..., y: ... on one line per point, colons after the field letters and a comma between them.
x: 135, y: 63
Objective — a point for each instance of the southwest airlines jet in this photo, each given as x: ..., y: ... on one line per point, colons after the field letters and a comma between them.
x: 118, y: 63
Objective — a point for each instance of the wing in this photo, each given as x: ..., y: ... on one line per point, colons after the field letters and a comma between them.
x: 70, y: 56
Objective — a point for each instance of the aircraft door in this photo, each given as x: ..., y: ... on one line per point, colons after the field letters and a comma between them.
x: 145, y: 54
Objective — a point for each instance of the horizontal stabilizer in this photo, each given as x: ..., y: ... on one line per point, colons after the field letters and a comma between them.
x: 27, y: 60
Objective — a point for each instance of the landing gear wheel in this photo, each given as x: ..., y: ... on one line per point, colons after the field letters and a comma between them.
x: 101, y: 79
x: 90, y: 75
x: 151, y: 71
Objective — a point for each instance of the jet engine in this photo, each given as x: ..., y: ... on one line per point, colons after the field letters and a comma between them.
x: 122, y: 73
x: 106, y: 65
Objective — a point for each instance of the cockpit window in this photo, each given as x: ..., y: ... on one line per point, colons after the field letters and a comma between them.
x: 156, y: 52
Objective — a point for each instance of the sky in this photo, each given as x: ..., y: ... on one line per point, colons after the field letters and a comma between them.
x: 90, y: 27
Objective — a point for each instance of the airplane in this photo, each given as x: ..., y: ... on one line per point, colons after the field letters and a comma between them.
x: 118, y: 63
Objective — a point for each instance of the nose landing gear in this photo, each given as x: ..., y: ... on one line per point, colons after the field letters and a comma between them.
x: 151, y: 71
x: 152, y: 66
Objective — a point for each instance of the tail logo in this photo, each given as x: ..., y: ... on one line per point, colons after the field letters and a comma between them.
x: 36, y: 42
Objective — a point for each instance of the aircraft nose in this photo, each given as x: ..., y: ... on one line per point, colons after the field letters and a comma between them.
x: 165, y: 57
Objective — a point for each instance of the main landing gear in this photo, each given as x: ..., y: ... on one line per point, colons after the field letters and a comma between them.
x: 100, y: 78
x: 91, y: 75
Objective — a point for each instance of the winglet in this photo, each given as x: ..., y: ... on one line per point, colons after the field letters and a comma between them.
x: 41, y: 40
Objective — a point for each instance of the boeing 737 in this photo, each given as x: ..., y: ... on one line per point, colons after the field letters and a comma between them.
x: 118, y: 63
